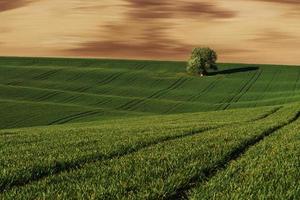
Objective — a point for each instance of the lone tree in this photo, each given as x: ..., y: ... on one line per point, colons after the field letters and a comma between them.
x: 201, y: 60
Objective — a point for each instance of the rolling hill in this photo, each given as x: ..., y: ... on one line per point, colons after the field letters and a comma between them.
x: 126, y: 129
x: 73, y: 90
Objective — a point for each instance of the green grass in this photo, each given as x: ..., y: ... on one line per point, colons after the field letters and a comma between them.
x: 87, y: 89
x: 124, y: 129
x: 269, y: 170
x: 155, y: 171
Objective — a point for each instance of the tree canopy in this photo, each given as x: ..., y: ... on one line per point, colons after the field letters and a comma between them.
x: 201, y: 60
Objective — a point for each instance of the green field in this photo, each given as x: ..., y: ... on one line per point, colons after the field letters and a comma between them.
x: 125, y: 129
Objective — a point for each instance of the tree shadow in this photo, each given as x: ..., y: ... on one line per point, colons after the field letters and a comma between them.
x: 233, y: 70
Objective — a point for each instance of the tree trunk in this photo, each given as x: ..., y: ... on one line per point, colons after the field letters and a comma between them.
x: 203, y: 73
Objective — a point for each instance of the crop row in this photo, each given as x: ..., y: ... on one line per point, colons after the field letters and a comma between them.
x: 154, y: 171
x: 34, y: 153
x: 31, y: 154
x: 269, y: 170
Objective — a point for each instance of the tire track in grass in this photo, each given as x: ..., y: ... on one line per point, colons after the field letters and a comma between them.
x: 74, y: 116
x: 103, y: 102
x: 173, y: 86
x: 40, y: 172
x: 136, y: 102
x: 76, y: 77
x: 110, y: 78
x: 70, y: 99
x: 206, y: 174
x: 46, y: 75
x: 234, y: 96
x: 48, y: 96
x: 14, y: 83
x: 133, y: 102
x: 131, y: 79
x: 140, y: 66
x: 260, y: 97
x: 223, y: 101
x: 296, y: 82
x: 239, y: 92
x: 246, y: 87
x: 84, y: 89
x: 206, y: 89
x: 16, y: 123
x: 273, y: 111
x: 195, y: 97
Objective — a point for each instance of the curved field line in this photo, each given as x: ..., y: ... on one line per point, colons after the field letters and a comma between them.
x: 131, y: 79
x: 48, y: 96
x: 84, y: 89
x: 76, y: 77
x: 71, y: 92
x: 268, y: 114
x: 206, y: 174
x: 248, y: 88
x: 136, y: 102
x: 70, y: 99
x: 244, y: 89
x: 296, y: 82
x: 140, y: 66
x: 71, y: 105
x: 110, y: 78
x: 14, y: 124
x: 74, y: 116
x: 44, y: 171
x: 59, y: 167
x: 260, y: 97
x: 46, y: 75
x: 205, y: 90
x: 172, y: 108
x: 240, y: 90
x: 102, y: 102
x: 59, y: 91
x: 14, y: 83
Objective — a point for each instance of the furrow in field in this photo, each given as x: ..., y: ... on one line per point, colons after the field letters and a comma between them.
x: 241, y: 94
x: 195, y: 97
x: 46, y: 75
x: 75, y: 116
x: 243, y: 89
x: 249, y: 87
x: 140, y: 66
x: 110, y: 78
x: 76, y: 77
x: 296, y: 82
x: 84, y: 89
x: 228, y: 103
x: 182, y: 192
x: 268, y: 114
x: 268, y: 170
x: 262, y: 95
x: 48, y: 96
x: 70, y: 99
x: 136, y: 102
x: 40, y: 172
x: 74, y: 164
x: 158, y: 171
x: 240, y: 90
x: 206, y: 89
x: 54, y: 92
x: 14, y: 124
x: 203, y: 92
